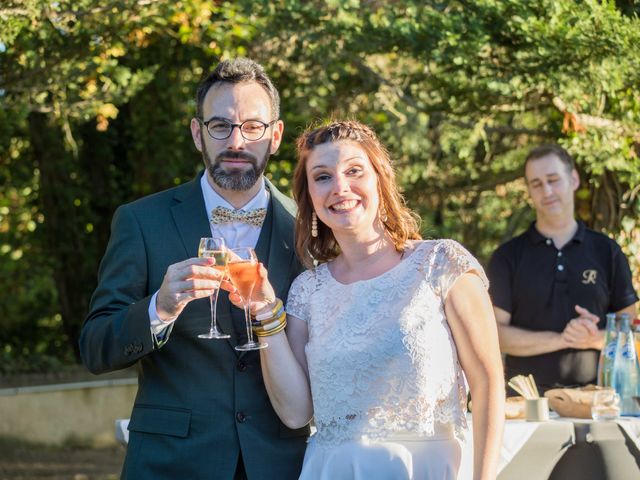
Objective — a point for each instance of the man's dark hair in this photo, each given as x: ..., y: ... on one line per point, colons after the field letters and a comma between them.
x: 551, y: 149
x: 238, y: 70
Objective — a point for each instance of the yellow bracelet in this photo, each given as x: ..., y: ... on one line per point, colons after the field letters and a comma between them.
x: 274, y: 312
x: 271, y: 332
x: 269, y: 324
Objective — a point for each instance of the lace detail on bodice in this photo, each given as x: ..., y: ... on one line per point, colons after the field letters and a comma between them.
x: 381, y: 356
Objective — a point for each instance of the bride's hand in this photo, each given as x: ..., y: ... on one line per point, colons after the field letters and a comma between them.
x: 263, y: 296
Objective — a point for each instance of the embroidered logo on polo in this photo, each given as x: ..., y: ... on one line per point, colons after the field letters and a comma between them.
x: 589, y: 277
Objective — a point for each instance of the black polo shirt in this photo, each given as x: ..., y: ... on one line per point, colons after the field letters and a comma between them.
x: 540, y: 285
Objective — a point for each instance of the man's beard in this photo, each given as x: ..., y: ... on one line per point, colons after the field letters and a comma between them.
x: 235, y: 179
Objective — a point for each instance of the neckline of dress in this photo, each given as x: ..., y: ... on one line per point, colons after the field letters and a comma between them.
x: 404, y: 259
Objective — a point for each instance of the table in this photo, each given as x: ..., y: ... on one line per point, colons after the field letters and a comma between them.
x: 122, y: 431
x: 564, y: 449
x: 559, y: 449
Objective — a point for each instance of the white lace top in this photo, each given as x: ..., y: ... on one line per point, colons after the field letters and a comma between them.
x: 381, y: 356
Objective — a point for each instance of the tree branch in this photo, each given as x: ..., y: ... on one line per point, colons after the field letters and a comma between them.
x: 579, y: 121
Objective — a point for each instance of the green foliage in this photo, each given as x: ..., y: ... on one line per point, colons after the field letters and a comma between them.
x: 96, y: 98
x: 460, y: 91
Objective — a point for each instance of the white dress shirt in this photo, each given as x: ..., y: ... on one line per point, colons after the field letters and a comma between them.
x: 235, y: 234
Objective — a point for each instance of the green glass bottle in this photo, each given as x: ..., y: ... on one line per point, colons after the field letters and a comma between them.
x: 607, y: 355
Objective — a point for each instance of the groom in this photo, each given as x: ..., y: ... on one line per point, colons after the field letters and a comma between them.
x: 201, y: 411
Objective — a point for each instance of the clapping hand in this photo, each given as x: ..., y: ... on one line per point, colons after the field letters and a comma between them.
x: 582, y: 332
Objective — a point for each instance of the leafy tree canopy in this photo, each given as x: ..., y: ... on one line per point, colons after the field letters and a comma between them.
x: 96, y: 99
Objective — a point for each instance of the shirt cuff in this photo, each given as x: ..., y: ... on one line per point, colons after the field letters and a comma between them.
x: 158, y: 327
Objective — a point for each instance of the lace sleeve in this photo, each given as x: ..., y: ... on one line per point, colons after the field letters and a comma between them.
x: 300, y: 295
x: 450, y: 261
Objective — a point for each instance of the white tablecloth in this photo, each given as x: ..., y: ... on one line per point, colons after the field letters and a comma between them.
x: 517, y: 432
x: 122, y: 432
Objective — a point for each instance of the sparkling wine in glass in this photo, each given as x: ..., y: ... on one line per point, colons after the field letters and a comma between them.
x: 213, y: 247
x: 242, y: 268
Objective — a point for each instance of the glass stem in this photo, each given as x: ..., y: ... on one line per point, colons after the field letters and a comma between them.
x: 214, y: 305
x: 247, y: 317
x: 211, y: 309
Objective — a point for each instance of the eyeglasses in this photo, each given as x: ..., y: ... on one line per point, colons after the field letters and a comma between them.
x: 252, y: 130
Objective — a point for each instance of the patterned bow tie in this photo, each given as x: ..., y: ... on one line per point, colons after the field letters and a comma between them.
x: 226, y: 215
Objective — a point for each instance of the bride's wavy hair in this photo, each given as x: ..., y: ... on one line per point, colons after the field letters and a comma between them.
x: 401, y: 224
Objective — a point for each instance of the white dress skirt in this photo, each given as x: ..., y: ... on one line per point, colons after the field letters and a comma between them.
x: 400, y: 457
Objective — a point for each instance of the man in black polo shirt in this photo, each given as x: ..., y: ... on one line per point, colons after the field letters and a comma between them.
x: 552, y: 285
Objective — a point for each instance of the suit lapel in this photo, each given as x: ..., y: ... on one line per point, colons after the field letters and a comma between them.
x: 264, y: 240
x: 281, y: 248
x: 190, y: 216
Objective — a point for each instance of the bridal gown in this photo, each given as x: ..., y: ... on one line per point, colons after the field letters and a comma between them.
x: 388, y: 391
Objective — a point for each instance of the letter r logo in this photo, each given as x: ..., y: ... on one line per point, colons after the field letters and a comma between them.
x: 589, y: 277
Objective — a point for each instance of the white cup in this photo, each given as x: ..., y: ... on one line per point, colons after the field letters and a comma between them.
x: 536, y: 409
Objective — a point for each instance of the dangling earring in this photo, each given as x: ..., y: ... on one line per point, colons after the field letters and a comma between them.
x: 314, y: 225
x: 383, y: 212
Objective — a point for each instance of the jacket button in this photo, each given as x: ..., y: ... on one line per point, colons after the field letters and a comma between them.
x: 241, y: 366
x: 240, y: 417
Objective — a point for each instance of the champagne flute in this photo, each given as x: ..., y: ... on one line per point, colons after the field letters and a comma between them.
x: 243, y: 271
x: 213, y: 247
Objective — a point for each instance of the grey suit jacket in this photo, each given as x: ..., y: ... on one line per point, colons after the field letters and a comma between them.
x: 200, y: 403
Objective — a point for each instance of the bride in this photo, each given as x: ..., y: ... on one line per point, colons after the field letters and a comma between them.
x: 383, y: 328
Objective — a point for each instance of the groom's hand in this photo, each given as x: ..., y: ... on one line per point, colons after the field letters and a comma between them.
x: 185, y: 281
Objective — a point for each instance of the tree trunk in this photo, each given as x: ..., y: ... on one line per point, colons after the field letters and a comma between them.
x: 62, y: 231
